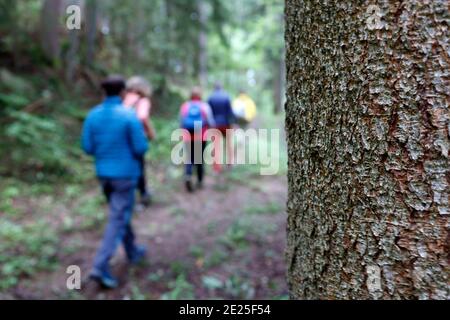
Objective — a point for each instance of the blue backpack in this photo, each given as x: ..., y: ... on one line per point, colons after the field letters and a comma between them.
x: 194, y: 117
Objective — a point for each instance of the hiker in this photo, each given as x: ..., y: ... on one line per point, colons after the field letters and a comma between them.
x: 224, y: 118
x: 244, y: 109
x: 138, y: 97
x: 115, y: 137
x: 195, y: 118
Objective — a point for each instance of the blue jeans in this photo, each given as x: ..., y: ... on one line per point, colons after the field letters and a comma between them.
x: 120, y: 196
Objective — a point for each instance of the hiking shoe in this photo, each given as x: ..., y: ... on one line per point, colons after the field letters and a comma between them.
x: 139, y: 255
x: 104, y: 279
x: 189, y: 187
x: 200, y: 185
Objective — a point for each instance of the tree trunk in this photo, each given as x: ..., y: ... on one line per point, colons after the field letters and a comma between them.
x: 72, y: 55
x: 203, y: 45
x: 279, y: 76
x: 368, y: 132
x: 72, y: 60
x: 51, y: 13
x: 91, y: 29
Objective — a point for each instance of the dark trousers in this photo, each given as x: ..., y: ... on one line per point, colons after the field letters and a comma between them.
x: 195, y: 159
x: 142, y: 181
x: 120, y: 196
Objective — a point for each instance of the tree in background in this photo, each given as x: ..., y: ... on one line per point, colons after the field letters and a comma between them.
x: 92, y: 7
x: 368, y: 132
x: 253, y: 57
x: 50, y: 32
x: 173, y: 42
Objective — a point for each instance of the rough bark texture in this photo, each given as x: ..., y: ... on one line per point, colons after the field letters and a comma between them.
x: 368, y: 131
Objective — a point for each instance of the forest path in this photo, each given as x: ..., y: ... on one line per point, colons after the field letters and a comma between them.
x: 225, y: 241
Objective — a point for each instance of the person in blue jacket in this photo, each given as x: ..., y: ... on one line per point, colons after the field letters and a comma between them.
x: 114, y: 136
x: 224, y: 118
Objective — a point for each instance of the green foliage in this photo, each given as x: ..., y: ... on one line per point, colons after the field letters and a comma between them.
x: 17, y: 86
x: 72, y: 191
x: 212, y: 227
x: 160, y: 150
x: 36, y: 143
x: 25, y: 250
x: 212, y: 283
x: 179, y: 268
x: 244, y: 231
x: 236, y: 235
x: 91, y: 213
x: 238, y: 288
x: 197, y: 251
x: 12, y: 101
x: 180, y: 289
x: 7, y: 204
x: 282, y: 298
x: 26, y: 128
x: 269, y: 209
x: 156, y: 276
x: 177, y: 212
x: 216, y: 258
x: 136, y: 293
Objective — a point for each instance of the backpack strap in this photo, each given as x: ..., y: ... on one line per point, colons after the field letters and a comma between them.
x: 204, y: 114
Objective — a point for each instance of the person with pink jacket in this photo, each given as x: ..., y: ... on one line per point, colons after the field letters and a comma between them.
x: 196, y: 118
x: 138, y: 97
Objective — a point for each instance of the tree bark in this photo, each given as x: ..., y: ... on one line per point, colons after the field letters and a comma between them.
x: 368, y: 133
x: 71, y: 58
x: 91, y: 29
x: 51, y: 13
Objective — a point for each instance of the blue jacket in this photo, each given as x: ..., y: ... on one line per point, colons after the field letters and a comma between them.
x: 115, y: 137
x: 220, y: 103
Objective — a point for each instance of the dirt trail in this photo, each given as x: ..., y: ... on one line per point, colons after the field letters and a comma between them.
x: 218, y: 243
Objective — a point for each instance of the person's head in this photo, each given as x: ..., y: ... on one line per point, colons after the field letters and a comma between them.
x: 196, y: 93
x: 140, y: 86
x: 218, y: 86
x: 113, y: 85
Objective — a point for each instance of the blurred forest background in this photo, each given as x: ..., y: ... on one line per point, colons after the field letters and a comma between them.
x: 50, y: 207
